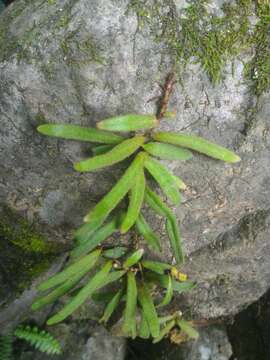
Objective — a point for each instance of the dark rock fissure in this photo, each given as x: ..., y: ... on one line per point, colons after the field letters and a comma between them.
x: 250, y: 332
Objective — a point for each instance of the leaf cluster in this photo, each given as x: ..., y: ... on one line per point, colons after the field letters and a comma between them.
x: 136, y: 278
x: 92, y: 266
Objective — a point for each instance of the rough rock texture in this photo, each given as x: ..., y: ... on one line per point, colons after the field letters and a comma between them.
x: 78, y: 61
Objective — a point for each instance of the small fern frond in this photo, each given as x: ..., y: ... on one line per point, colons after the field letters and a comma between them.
x: 40, y: 339
x: 5, y: 347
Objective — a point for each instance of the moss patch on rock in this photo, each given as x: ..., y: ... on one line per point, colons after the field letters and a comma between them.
x: 197, y: 34
x: 24, y: 253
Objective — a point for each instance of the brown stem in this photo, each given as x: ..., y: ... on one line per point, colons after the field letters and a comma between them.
x: 167, y: 90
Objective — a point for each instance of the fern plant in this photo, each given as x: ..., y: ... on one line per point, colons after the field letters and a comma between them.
x: 39, y: 339
x: 136, y: 276
x: 5, y: 347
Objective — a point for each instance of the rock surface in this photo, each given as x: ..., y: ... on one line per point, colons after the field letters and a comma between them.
x: 75, y: 61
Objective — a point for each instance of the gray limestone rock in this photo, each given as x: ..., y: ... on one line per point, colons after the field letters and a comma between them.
x: 79, y: 61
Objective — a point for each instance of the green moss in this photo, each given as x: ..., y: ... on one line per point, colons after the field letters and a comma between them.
x: 79, y: 52
x: 210, y: 40
x: 21, y: 234
x: 258, y: 69
x: 24, y: 253
x: 63, y: 21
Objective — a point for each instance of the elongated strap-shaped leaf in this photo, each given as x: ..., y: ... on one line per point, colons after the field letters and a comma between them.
x: 117, y: 154
x: 162, y: 280
x: 149, y: 310
x: 76, y: 132
x: 180, y: 183
x: 87, y: 262
x: 164, y: 178
x: 97, y: 238
x: 144, y: 331
x: 169, y: 294
x: 129, y: 324
x: 165, y: 331
x: 155, y: 202
x: 175, y: 240
x: 133, y: 258
x: 130, y: 122
x: 113, y: 197
x: 164, y: 319
x: 156, y: 266
x: 95, y: 283
x: 135, y: 202
x: 113, y: 276
x: 110, y: 308
x: 145, y: 230
x: 167, y: 152
x: 59, y: 290
x: 101, y: 149
x: 87, y: 230
x: 115, y: 253
x: 198, y: 144
x: 188, y: 329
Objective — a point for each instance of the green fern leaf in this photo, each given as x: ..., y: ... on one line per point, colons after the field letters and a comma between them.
x: 5, y: 347
x: 40, y: 339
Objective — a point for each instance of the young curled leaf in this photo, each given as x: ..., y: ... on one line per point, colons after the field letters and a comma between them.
x: 87, y: 262
x: 167, y: 152
x: 130, y: 122
x: 110, y: 308
x: 188, y: 329
x: 113, y: 197
x: 133, y: 258
x: 156, y: 266
x: 149, y: 310
x: 117, y: 154
x: 198, y: 144
x: 95, y: 283
x: 101, y: 149
x: 135, y: 202
x: 76, y: 132
x: 97, y: 238
x: 115, y: 253
x: 129, y: 324
x: 164, y: 178
x: 164, y: 331
x: 145, y: 230
x: 169, y: 294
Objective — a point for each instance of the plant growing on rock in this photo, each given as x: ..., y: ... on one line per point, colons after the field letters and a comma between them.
x: 132, y: 137
x: 39, y: 339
